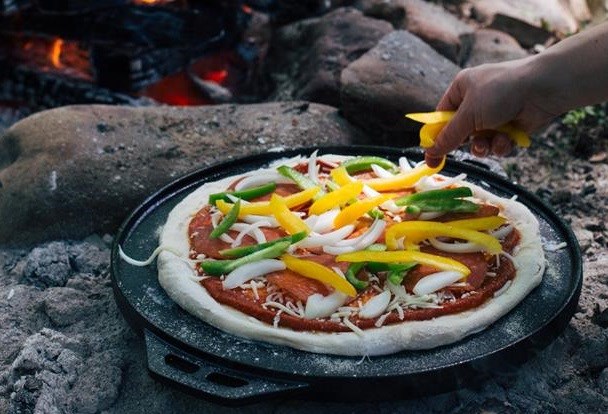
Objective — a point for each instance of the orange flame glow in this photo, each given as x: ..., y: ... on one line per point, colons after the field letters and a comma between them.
x: 150, y: 2
x: 55, y: 54
x: 218, y: 76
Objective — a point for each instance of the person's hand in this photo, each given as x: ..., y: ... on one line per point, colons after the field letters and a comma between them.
x: 484, y: 98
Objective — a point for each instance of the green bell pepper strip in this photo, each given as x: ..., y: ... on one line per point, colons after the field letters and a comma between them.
x: 222, y: 267
x: 227, y: 222
x: 351, y: 276
x: 441, y: 194
x: 300, y: 179
x: 365, y: 163
x: 399, y: 271
x: 354, y: 268
x: 376, y: 267
x: 449, y: 205
x: 245, y: 250
x: 376, y: 247
x: 376, y: 214
x: 246, y: 194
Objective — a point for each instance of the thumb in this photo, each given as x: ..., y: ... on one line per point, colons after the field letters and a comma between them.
x: 451, y: 136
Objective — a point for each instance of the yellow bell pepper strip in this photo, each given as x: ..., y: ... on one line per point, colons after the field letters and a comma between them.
x: 435, y: 117
x: 336, y: 198
x: 438, y: 262
x: 519, y: 137
x: 405, y: 180
x: 263, y: 207
x: 351, y: 213
x: 291, y: 223
x: 227, y: 222
x: 416, y: 231
x: 480, y: 223
x: 314, y: 270
x: 429, y: 132
x: 341, y: 176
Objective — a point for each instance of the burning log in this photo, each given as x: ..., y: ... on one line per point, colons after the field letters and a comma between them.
x: 41, y: 90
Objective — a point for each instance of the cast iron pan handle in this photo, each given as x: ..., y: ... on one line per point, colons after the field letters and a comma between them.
x: 219, y: 384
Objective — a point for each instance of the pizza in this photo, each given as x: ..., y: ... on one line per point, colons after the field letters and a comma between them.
x: 349, y: 255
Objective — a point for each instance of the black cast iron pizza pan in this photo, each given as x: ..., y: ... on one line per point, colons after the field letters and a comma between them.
x: 187, y: 352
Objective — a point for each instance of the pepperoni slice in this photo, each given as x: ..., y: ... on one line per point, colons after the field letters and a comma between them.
x: 297, y: 286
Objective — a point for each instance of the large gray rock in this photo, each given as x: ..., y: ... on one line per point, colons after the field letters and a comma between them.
x: 401, y: 74
x: 430, y: 22
x: 307, y: 57
x: 489, y: 46
x: 436, y: 26
x: 72, y: 171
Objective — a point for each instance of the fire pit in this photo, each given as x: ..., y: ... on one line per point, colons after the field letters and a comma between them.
x: 140, y: 52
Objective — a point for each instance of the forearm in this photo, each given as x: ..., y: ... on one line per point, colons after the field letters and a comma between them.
x: 574, y: 72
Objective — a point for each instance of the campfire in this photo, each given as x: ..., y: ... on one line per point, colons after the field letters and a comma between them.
x: 137, y: 52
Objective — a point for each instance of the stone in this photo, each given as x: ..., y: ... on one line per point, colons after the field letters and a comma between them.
x: 307, y: 57
x: 53, y: 374
x: 48, y: 266
x: 430, y: 22
x: 552, y: 14
x: 73, y: 171
x: 401, y: 74
x: 391, y: 11
x: 65, y: 306
x: 489, y: 46
x: 436, y: 26
x: 528, y: 35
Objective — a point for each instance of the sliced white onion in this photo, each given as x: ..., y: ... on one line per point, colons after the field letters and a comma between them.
x: 234, y: 199
x: 323, y: 222
x: 381, y: 172
x: 260, y: 179
x: 249, y: 229
x: 257, y: 234
x: 502, y: 232
x: 436, y: 281
x: 313, y: 173
x: 250, y: 271
x: 375, y: 306
x: 319, y: 306
x: 319, y: 240
x: 376, y: 227
x: 252, y: 218
x: 358, y: 243
x: 456, y: 247
x: 404, y: 165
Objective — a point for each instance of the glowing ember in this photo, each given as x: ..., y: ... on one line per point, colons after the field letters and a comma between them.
x: 151, y: 2
x: 55, y: 55
x: 217, y: 76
